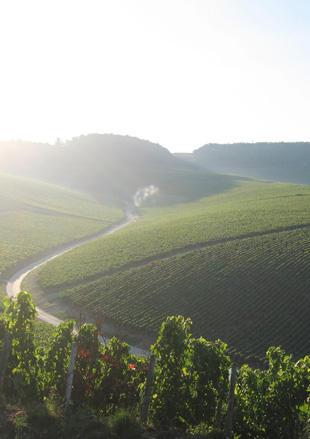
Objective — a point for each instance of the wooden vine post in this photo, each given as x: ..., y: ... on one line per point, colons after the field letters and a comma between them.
x: 70, y: 374
x: 231, y: 402
x: 7, y: 344
x: 148, y: 388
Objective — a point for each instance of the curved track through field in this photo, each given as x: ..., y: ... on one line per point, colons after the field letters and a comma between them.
x: 14, y: 283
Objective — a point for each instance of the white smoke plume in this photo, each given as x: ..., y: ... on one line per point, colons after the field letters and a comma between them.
x: 142, y: 194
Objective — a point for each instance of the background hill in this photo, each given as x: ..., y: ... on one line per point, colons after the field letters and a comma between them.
x: 286, y: 162
x: 108, y: 165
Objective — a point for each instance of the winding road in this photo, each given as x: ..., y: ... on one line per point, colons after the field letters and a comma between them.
x: 13, y: 286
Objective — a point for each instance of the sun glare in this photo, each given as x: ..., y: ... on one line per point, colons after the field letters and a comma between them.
x: 180, y: 73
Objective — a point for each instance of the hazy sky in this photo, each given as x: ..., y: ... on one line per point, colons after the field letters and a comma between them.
x: 181, y: 73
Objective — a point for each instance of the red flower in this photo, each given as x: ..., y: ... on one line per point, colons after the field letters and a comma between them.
x: 132, y: 366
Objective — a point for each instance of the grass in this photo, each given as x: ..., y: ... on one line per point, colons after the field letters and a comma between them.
x: 49, y: 421
x: 125, y: 425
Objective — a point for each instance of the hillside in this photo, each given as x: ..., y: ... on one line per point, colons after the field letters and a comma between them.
x: 281, y: 161
x: 38, y: 217
x: 226, y: 251
x: 106, y: 165
x: 227, y: 261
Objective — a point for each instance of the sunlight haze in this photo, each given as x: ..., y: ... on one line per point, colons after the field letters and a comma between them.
x: 181, y: 73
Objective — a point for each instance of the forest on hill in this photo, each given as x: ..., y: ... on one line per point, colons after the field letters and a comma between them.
x: 276, y: 161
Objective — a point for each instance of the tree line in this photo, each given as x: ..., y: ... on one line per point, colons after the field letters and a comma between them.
x: 254, y: 155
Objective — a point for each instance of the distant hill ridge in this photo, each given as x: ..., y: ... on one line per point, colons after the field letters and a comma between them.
x: 99, y: 163
x: 273, y: 154
x: 277, y: 161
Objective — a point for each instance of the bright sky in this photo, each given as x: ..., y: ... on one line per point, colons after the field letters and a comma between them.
x: 181, y: 73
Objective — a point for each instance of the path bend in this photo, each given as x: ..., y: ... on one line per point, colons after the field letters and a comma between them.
x: 13, y: 286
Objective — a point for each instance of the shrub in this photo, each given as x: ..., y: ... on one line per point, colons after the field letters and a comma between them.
x: 124, y: 425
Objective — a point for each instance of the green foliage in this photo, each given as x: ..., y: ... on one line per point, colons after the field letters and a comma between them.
x: 209, y: 379
x: 273, y: 403
x: 3, y: 324
x: 171, y: 391
x: 189, y: 388
x: 25, y: 374
x: 119, y: 378
x: 191, y: 377
x: 124, y: 425
x: 106, y: 377
x: 86, y: 364
x: 43, y: 335
x: 57, y: 358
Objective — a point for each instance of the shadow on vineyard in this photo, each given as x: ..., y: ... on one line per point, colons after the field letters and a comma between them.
x: 72, y: 386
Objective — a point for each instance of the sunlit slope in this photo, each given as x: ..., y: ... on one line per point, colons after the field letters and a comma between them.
x: 252, y: 293
x: 35, y: 217
x: 113, y: 166
x: 248, y: 210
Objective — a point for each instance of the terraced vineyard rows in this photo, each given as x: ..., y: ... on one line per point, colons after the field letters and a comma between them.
x: 251, y: 293
x: 36, y: 216
x: 250, y: 209
x: 18, y: 193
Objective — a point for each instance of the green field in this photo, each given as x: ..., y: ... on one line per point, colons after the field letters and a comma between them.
x: 237, y: 263
x: 247, y: 210
x: 37, y: 217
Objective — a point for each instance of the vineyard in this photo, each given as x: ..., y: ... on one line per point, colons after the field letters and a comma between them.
x: 37, y: 216
x: 251, y: 209
x: 188, y: 387
x: 252, y: 293
x: 228, y: 253
x: 237, y: 263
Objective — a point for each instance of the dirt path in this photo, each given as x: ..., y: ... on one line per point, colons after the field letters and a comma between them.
x: 14, y: 283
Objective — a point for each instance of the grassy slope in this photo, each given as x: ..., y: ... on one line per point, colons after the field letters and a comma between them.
x: 36, y: 217
x: 247, y: 284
